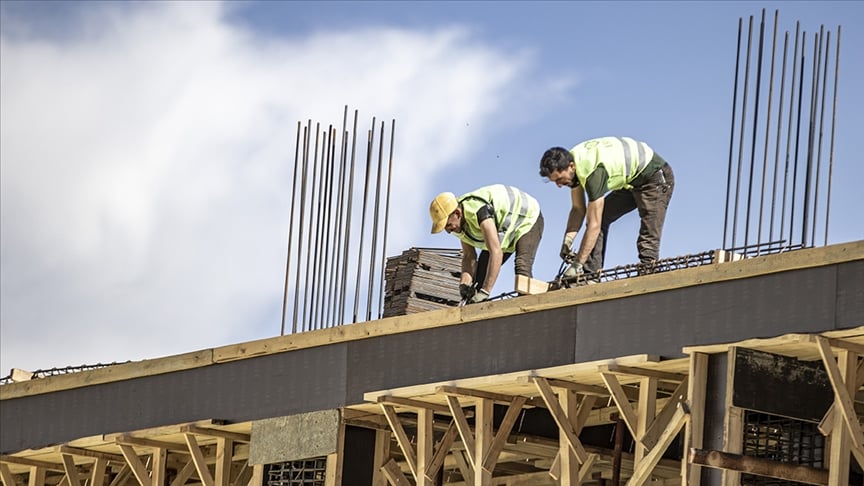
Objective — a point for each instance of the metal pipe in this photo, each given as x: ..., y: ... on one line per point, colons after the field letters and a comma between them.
x: 797, y: 137
x: 789, y: 133
x: 811, y: 133
x: 386, y: 219
x: 309, y: 261
x: 372, y: 259
x: 831, y: 149
x: 741, y: 137
x: 337, y: 269
x: 821, y: 132
x: 779, y: 127
x: 767, y: 128
x: 370, y: 140
x: 349, y: 218
x: 306, y: 136
x: 732, y: 134
x: 290, y: 229
x: 755, y: 124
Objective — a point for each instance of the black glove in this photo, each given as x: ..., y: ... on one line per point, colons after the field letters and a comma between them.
x: 480, y: 296
x: 565, y: 247
x: 466, y: 291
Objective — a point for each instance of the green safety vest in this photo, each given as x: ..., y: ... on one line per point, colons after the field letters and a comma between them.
x: 622, y: 157
x: 515, y: 213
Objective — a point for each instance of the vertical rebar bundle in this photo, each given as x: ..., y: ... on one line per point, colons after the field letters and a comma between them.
x: 325, y: 253
x: 789, y: 212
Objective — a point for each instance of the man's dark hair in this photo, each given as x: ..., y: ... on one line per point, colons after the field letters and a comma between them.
x: 556, y: 158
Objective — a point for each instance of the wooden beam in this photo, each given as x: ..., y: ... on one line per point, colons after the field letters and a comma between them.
x: 622, y: 402
x: 411, y: 403
x: 198, y: 458
x: 257, y: 475
x: 504, y: 429
x: 695, y: 429
x: 161, y: 430
x: 465, y: 469
x: 6, y: 475
x: 759, y: 466
x: 530, y: 286
x: 646, y: 412
x: 828, y: 420
x: 464, y: 429
x: 380, y: 457
x: 569, y: 385
x: 425, y: 447
x: 564, y: 425
x: 150, y: 443
x: 394, y: 475
x: 224, y: 451
x: 243, y: 476
x: 121, y: 476
x: 197, y: 430
x: 401, y: 437
x: 568, y: 463
x: 484, y: 412
x: 97, y: 472
x: 158, y: 469
x: 37, y: 476
x: 659, y: 423
x: 441, y: 450
x: 71, y: 469
x: 642, y: 372
x: 642, y: 471
x: 77, y: 451
x: 841, y: 392
x: 136, y: 465
x: 185, y: 473
x: 495, y: 397
x: 24, y: 461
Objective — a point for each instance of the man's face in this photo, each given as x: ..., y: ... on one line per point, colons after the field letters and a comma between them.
x: 563, y: 178
x: 454, y: 222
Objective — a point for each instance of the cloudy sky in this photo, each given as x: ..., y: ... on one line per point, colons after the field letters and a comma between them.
x: 146, y: 149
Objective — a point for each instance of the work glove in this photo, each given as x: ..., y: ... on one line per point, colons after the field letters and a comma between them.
x: 479, y: 296
x: 467, y: 291
x: 575, y: 270
x: 565, y: 247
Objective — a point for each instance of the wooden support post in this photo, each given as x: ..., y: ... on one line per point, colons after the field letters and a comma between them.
x: 71, y: 469
x: 622, y: 402
x: 37, y: 476
x: 441, y: 451
x: 158, y: 473
x: 185, y: 473
x: 425, y: 441
x: 401, y: 437
x: 500, y: 439
x: 333, y: 468
x: 691, y: 475
x: 137, y: 466
x: 646, y: 411
x: 733, y: 430
x: 759, y: 466
x: 642, y: 471
x: 394, y: 475
x: 560, y: 416
x: 6, y: 475
x: 381, y: 456
x: 841, y: 433
x: 568, y: 464
x: 257, y: 478
x: 224, y: 452
x: 464, y: 430
x: 483, y: 435
x: 197, y: 456
x: 97, y: 473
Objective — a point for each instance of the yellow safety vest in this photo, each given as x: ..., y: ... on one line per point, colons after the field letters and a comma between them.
x: 515, y: 213
x: 622, y: 157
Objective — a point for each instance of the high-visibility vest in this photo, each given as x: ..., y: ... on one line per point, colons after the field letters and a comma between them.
x: 515, y: 213
x: 622, y: 157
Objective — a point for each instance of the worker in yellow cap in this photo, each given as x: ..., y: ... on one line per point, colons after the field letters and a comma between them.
x: 618, y: 175
x: 499, y: 220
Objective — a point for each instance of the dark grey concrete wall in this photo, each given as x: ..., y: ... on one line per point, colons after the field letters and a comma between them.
x: 332, y: 376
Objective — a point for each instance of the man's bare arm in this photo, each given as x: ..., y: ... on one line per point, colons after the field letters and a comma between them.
x: 490, y: 234
x: 469, y: 263
x: 594, y: 216
x: 577, y: 212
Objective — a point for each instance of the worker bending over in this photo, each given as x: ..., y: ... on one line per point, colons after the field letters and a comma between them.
x: 618, y: 174
x: 497, y: 219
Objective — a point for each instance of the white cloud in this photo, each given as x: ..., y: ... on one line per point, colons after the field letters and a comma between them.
x: 147, y: 168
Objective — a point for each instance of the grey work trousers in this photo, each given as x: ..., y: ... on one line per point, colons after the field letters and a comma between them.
x: 526, y: 251
x: 652, y: 199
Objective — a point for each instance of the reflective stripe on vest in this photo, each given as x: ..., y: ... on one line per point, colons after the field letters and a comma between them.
x: 514, y: 212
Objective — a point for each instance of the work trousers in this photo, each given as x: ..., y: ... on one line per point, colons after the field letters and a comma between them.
x: 652, y: 199
x: 526, y: 250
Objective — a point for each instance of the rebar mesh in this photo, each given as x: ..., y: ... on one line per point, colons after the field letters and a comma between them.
x: 308, y: 472
x: 781, y: 439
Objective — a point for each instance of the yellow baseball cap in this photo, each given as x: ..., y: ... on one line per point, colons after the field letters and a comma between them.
x: 440, y: 209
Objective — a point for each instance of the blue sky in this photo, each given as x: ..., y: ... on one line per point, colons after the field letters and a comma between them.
x: 146, y: 148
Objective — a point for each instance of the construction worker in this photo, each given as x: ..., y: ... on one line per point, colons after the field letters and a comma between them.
x: 497, y: 219
x: 618, y: 175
